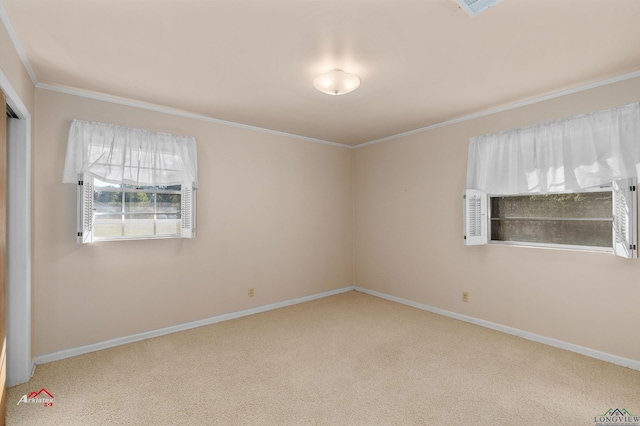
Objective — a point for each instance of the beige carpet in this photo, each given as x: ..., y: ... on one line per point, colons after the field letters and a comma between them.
x: 350, y: 359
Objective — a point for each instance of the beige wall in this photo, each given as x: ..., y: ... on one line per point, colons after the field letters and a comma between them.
x: 408, y: 239
x: 274, y: 213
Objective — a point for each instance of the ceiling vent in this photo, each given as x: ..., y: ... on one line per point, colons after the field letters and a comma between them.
x: 473, y: 7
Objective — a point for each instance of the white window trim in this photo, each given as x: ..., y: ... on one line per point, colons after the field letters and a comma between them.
x: 551, y: 246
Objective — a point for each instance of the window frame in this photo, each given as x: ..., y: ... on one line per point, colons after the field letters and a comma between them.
x: 477, y: 221
x: 86, y: 211
x: 602, y: 188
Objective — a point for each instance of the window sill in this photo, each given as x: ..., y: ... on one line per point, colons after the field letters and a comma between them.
x: 608, y: 250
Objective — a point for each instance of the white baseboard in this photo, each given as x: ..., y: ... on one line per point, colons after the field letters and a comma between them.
x: 625, y: 362
x: 68, y: 353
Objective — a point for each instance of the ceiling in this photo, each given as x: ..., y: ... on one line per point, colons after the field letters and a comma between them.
x: 421, y: 62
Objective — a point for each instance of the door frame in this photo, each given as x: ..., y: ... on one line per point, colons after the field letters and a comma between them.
x: 20, y: 364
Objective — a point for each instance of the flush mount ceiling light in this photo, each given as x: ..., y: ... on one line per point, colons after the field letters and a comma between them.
x: 336, y: 82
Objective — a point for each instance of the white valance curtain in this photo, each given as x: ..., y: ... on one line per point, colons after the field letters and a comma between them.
x: 560, y: 156
x: 131, y: 156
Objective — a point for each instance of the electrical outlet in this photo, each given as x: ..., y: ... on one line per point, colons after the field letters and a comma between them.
x: 465, y: 296
x: 251, y: 292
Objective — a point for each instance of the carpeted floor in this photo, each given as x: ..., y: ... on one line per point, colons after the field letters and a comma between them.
x: 350, y: 359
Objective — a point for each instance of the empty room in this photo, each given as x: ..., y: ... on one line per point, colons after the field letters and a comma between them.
x: 320, y: 212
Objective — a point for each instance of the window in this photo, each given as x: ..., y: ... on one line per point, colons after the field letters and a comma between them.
x: 132, y: 183
x: 602, y: 218
x: 566, y: 158
x: 580, y: 219
x: 121, y: 211
x: 124, y: 211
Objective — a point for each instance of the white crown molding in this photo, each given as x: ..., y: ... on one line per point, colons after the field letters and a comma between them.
x: 172, y: 111
x: 138, y: 104
x: 614, y: 359
x: 16, y: 43
x: 507, y: 107
x: 179, y: 113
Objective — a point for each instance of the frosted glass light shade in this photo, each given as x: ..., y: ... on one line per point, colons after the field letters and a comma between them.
x: 336, y: 82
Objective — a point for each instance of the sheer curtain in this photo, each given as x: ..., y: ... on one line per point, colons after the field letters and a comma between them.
x: 132, y: 156
x: 559, y: 156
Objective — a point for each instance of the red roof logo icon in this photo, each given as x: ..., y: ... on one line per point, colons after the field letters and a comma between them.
x: 36, y: 394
